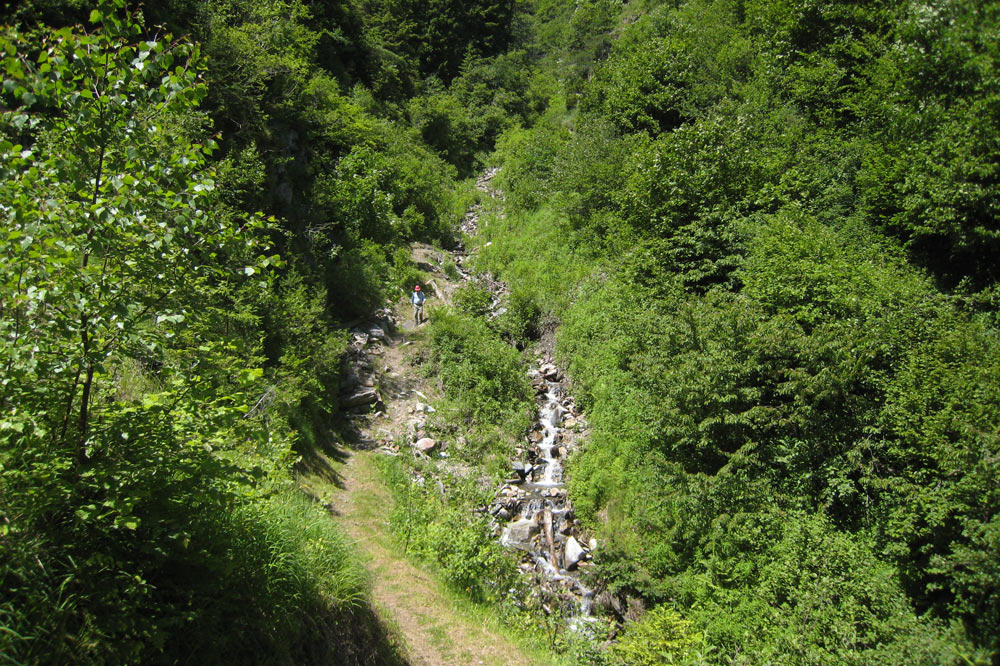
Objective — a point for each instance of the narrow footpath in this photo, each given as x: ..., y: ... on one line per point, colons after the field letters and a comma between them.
x: 436, y: 626
x: 435, y: 629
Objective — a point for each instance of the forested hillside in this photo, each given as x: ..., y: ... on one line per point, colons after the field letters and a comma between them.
x: 769, y: 231
x: 763, y: 235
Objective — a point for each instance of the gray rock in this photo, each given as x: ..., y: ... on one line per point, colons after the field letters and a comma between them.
x: 522, y: 531
x: 550, y: 372
x: 364, y: 396
x: 425, y: 445
x: 573, y: 554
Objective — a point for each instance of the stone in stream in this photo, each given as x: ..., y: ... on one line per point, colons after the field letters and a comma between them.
x: 522, y: 531
x: 550, y: 372
x: 518, y: 468
x: 573, y: 554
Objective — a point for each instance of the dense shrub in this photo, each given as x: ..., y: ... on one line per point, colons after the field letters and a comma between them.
x: 732, y: 231
x: 483, y: 377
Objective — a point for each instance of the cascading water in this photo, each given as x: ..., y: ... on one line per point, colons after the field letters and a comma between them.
x: 539, y: 516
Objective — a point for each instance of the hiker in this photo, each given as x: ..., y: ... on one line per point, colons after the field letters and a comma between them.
x: 417, y: 298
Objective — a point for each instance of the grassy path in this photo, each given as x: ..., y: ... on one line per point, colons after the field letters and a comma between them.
x: 437, y: 629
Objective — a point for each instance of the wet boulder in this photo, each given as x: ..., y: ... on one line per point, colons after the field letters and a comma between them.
x: 550, y: 372
x: 522, y: 531
x: 573, y: 553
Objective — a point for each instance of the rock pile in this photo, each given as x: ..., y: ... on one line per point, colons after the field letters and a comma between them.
x: 357, y: 385
x: 470, y: 225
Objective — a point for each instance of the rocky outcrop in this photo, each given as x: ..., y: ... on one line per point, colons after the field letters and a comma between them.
x: 357, y: 376
x: 359, y: 397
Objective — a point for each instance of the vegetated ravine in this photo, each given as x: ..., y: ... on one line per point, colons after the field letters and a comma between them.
x: 532, y: 509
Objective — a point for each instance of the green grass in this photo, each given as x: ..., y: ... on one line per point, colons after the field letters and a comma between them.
x: 531, y: 252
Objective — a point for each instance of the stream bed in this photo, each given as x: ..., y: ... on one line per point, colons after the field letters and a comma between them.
x: 532, y: 510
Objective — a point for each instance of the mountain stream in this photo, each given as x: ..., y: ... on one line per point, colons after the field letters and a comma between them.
x: 533, y: 512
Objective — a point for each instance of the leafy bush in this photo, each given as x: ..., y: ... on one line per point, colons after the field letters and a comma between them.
x: 441, y: 529
x: 146, y: 507
x: 472, y: 299
x: 519, y: 321
x: 810, y: 595
x: 663, y: 636
x: 481, y: 375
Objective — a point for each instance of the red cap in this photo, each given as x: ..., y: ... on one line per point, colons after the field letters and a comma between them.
x: 417, y: 288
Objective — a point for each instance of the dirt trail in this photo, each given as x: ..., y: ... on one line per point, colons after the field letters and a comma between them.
x: 436, y: 629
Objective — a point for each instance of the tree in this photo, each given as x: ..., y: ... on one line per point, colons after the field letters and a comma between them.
x: 108, y: 206
x: 111, y: 242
